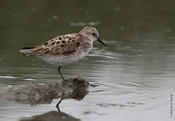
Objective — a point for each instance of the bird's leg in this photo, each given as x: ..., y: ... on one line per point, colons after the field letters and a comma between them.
x: 59, y: 71
x: 57, y: 106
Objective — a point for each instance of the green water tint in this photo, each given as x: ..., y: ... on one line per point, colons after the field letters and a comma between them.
x: 137, y: 67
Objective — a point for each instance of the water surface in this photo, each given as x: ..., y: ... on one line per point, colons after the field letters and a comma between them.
x: 133, y: 77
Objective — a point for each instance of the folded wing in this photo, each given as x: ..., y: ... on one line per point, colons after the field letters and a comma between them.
x: 61, y: 45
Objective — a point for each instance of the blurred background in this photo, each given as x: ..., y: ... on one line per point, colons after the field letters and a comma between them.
x: 134, y: 75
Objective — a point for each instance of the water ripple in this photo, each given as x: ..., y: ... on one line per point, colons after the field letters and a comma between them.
x: 7, y: 77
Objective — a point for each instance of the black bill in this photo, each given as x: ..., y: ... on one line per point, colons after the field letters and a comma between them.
x: 98, y: 39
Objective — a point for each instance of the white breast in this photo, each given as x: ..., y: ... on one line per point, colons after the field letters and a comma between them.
x: 63, y: 60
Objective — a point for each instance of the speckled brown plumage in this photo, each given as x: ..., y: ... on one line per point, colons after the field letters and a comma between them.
x: 65, y: 49
x: 62, y: 45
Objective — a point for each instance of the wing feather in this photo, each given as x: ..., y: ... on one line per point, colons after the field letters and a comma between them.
x: 61, y: 45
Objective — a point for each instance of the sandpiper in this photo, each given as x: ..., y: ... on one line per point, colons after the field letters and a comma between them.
x: 65, y: 49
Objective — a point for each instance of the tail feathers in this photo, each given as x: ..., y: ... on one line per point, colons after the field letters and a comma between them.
x: 27, y: 50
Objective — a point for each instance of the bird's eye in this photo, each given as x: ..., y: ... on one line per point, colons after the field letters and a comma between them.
x: 94, y: 34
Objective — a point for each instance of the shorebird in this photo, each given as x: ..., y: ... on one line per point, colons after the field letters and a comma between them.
x: 65, y: 49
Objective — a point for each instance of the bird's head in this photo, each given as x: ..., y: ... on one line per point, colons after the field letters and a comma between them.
x: 92, y: 34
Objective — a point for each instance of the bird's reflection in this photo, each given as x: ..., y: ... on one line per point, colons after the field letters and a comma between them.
x: 51, y: 116
x: 74, y: 88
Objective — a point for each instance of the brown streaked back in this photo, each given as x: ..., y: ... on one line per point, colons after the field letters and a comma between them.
x: 61, y: 45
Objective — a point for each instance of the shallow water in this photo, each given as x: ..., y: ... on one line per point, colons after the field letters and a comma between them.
x: 133, y: 77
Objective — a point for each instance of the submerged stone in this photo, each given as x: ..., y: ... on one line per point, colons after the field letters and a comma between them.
x: 51, y: 116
